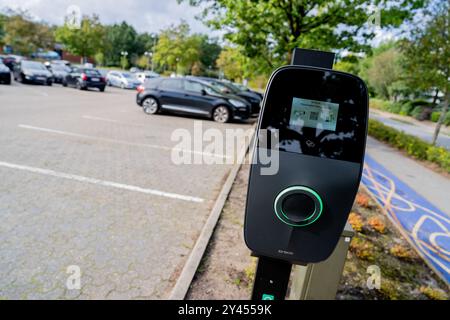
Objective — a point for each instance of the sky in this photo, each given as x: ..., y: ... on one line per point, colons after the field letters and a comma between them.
x: 144, y: 15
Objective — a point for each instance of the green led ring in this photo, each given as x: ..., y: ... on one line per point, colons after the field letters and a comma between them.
x: 304, y: 190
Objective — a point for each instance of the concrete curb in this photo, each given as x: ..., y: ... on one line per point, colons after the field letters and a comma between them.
x: 190, y: 268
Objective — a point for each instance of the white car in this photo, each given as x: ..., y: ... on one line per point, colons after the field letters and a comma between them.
x: 124, y: 80
x: 142, y: 76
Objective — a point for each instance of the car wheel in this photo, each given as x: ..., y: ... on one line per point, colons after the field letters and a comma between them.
x: 150, y: 105
x: 49, y: 83
x: 102, y: 89
x: 221, y: 114
x: 64, y: 83
x: 79, y: 86
x: 122, y: 85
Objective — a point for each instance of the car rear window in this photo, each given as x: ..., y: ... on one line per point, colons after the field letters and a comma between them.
x: 91, y: 72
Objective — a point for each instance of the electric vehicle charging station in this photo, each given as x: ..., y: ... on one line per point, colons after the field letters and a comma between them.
x: 297, y: 215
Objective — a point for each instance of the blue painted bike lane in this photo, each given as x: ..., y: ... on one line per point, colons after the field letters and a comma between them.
x: 420, y: 222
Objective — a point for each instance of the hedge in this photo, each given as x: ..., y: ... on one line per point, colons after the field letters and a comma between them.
x: 413, y: 146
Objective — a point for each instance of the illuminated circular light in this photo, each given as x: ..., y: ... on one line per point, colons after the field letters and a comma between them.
x: 278, y: 204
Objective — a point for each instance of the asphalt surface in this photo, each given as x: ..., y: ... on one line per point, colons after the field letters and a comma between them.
x: 91, y: 204
x: 420, y: 131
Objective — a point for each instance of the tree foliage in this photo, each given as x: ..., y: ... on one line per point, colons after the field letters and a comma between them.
x: 268, y: 30
x: 25, y: 35
x: 177, y: 50
x: 86, y: 40
x: 427, y: 57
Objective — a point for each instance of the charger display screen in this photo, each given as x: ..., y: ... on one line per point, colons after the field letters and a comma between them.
x: 314, y: 114
x: 320, y: 113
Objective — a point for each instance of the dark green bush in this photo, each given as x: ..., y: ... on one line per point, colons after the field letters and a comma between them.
x: 435, y: 116
x: 413, y: 146
x: 407, y: 108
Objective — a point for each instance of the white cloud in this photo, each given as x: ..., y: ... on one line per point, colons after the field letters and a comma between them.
x: 144, y: 15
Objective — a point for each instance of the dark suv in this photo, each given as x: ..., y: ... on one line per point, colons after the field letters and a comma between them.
x: 191, y: 96
x: 228, y: 88
x: 84, y: 78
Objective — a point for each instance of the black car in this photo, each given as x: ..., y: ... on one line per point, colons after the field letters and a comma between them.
x: 9, y: 61
x: 228, y: 88
x: 5, y: 73
x: 27, y: 71
x: 190, y: 96
x: 84, y: 78
x: 59, y: 71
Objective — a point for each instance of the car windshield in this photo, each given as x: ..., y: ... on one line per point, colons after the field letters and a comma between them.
x: 221, y: 87
x: 33, y: 65
x: 212, y: 90
x: 127, y: 75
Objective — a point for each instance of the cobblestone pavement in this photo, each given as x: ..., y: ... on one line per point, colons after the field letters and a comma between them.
x: 87, y: 184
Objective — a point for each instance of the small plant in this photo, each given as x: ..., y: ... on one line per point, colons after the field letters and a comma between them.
x: 356, y: 221
x: 362, y: 200
x: 433, y: 294
x: 363, y: 249
x: 377, y: 224
x: 402, y: 252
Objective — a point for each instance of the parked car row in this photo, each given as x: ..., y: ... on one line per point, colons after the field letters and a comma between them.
x: 197, y: 96
x: 219, y: 100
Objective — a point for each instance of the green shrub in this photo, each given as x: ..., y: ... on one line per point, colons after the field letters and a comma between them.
x: 407, y: 108
x: 435, y: 116
x: 413, y: 146
x: 377, y: 104
x: 393, y: 107
x: 440, y: 156
x: 447, y: 119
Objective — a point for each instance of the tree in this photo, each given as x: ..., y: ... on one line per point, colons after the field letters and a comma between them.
x: 26, y: 36
x: 231, y: 63
x: 210, y: 50
x: 120, y: 38
x: 427, y: 57
x: 385, y: 72
x: 84, y: 41
x: 271, y: 29
x: 2, y: 29
x: 176, y: 49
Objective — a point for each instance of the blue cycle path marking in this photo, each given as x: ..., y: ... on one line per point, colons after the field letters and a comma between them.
x: 425, y: 227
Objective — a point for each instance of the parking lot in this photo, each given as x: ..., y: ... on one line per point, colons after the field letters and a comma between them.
x: 87, y: 184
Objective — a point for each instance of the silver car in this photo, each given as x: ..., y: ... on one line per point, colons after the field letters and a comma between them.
x: 124, y: 80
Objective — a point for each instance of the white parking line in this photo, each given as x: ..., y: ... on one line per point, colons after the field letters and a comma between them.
x: 100, y: 182
x: 24, y: 126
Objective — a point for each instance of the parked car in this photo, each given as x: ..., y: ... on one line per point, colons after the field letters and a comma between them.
x: 85, y: 78
x: 27, y: 71
x: 8, y: 61
x: 143, y: 76
x: 229, y: 88
x: 124, y: 80
x: 190, y: 97
x: 59, y: 71
x: 5, y: 73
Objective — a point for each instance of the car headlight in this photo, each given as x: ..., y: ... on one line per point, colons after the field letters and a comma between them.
x: 237, y: 103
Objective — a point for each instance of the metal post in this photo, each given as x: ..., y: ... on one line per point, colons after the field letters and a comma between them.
x: 320, y: 281
x: 271, y: 279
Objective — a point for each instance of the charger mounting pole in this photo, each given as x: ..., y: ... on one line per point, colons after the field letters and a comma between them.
x: 272, y: 275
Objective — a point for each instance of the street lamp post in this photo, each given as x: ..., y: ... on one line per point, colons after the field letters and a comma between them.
x: 124, y: 55
x: 149, y: 56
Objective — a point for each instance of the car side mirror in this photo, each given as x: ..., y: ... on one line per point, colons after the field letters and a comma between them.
x: 204, y: 93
